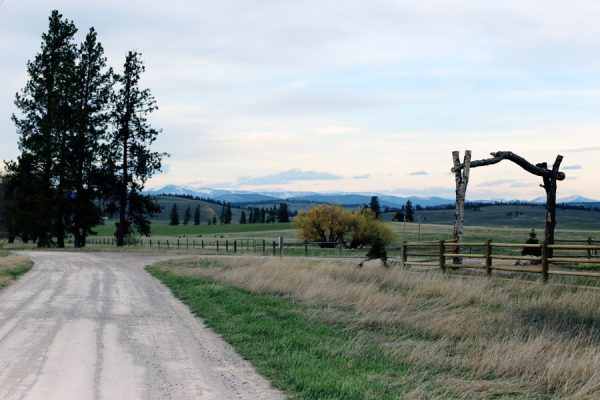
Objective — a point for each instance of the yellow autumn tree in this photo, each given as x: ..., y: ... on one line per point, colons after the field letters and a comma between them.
x: 328, y: 224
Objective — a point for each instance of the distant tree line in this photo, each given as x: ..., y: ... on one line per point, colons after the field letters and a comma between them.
x: 84, y: 141
x: 254, y: 215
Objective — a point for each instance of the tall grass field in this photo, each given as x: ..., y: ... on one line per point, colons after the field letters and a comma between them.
x: 325, y: 329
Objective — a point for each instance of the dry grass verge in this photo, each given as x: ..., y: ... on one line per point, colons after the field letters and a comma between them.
x: 11, y: 266
x: 492, y: 336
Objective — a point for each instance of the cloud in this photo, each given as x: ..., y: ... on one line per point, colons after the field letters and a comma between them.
x: 496, y: 182
x: 521, y: 184
x: 418, y: 173
x: 292, y: 175
x: 365, y: 176
x: 572, y: 167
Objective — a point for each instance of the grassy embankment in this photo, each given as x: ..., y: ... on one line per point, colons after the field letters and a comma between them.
x: 324, y: 329
x: 11, y: 267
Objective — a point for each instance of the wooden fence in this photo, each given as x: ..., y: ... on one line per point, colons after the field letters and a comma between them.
x: 555, y: 259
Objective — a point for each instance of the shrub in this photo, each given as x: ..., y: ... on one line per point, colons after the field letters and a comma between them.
x: 532, y: 251
x: 330, y: 224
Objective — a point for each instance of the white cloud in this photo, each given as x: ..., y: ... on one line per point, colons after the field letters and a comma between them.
x: 364, y: 176
x: 292, y: 175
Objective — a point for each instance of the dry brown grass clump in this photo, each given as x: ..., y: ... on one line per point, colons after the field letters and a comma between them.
x: 524, y: 335
x: 12, y: 261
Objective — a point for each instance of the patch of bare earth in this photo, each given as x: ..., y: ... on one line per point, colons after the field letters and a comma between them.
x: 98, y: 326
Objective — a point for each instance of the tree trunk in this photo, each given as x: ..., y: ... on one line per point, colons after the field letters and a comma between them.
x: 461, y: 177
x: 549, y: 176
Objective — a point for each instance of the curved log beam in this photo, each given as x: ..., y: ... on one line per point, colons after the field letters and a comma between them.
x: 538, y: 169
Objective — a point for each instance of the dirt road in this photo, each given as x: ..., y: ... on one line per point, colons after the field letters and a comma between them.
x: 97, y: 326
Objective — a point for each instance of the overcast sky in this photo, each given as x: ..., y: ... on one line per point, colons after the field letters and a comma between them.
x: 362, y: 96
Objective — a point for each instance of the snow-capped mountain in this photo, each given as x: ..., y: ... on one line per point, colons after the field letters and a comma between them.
x: 570, y: 199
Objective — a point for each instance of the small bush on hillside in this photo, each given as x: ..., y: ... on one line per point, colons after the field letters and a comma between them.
x: 532, y: 251
x: 377, y: 251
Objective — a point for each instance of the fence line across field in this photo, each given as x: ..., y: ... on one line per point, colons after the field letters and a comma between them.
x: 441, y: 251
x: 487, y: 255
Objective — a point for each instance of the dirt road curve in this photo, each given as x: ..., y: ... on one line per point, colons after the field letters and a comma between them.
x: 97, y: 326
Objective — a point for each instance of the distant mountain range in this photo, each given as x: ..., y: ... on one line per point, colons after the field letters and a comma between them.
x: 242, y: 196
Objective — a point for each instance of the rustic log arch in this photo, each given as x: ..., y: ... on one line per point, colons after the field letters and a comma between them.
x: 549, y: 178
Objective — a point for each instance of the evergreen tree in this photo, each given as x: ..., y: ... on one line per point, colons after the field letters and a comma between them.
x: 283, y: 214
x: 272, y: 213
x: 243, y: 217
x: 174, y: 216
x: 532, y: 251
x: 375, y: 207
x: 222, y: 215
x: 187, y: 215
x: 251, y: 215
x: 214, y: 219
x: 197, y: 215
x: 377, y: 250
x: 43, y: 126
x: 262, y: 216
x: 409, y: 212
x: 227, y: 215
x: 93, y: 87
x: 130, y: 150
x: 398, y: 216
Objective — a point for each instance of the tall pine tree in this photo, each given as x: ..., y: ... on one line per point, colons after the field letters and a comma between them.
x: 283, y: 213
x: 174, y: 215
x: 197, y: 215
x: 43, y: 125
x: 375, y: 207
x: 93, y: 87
x: 187, y: 215
x: 130, y: 150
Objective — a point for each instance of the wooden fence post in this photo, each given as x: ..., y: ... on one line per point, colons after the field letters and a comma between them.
x: 280, y: 246
x: 226, y: 245
x: 589, y: 251
x: 488, y: 257
x: 545, y: 266
x: 306, y: 248
x: 178, y: 243
x: 264, y: 247
x: 442, y: 256
x: 235, y: 245
x: 217, y: 245
x: 404, y: 253
x: 274, y: 246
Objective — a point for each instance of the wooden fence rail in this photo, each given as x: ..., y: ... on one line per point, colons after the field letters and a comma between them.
x: 439, y: 252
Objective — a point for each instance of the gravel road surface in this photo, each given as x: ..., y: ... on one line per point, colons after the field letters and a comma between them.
x: 97, y: 326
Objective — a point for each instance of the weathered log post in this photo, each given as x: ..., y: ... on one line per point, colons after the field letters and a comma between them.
x: 549, y: 177
x: 461, y: 176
